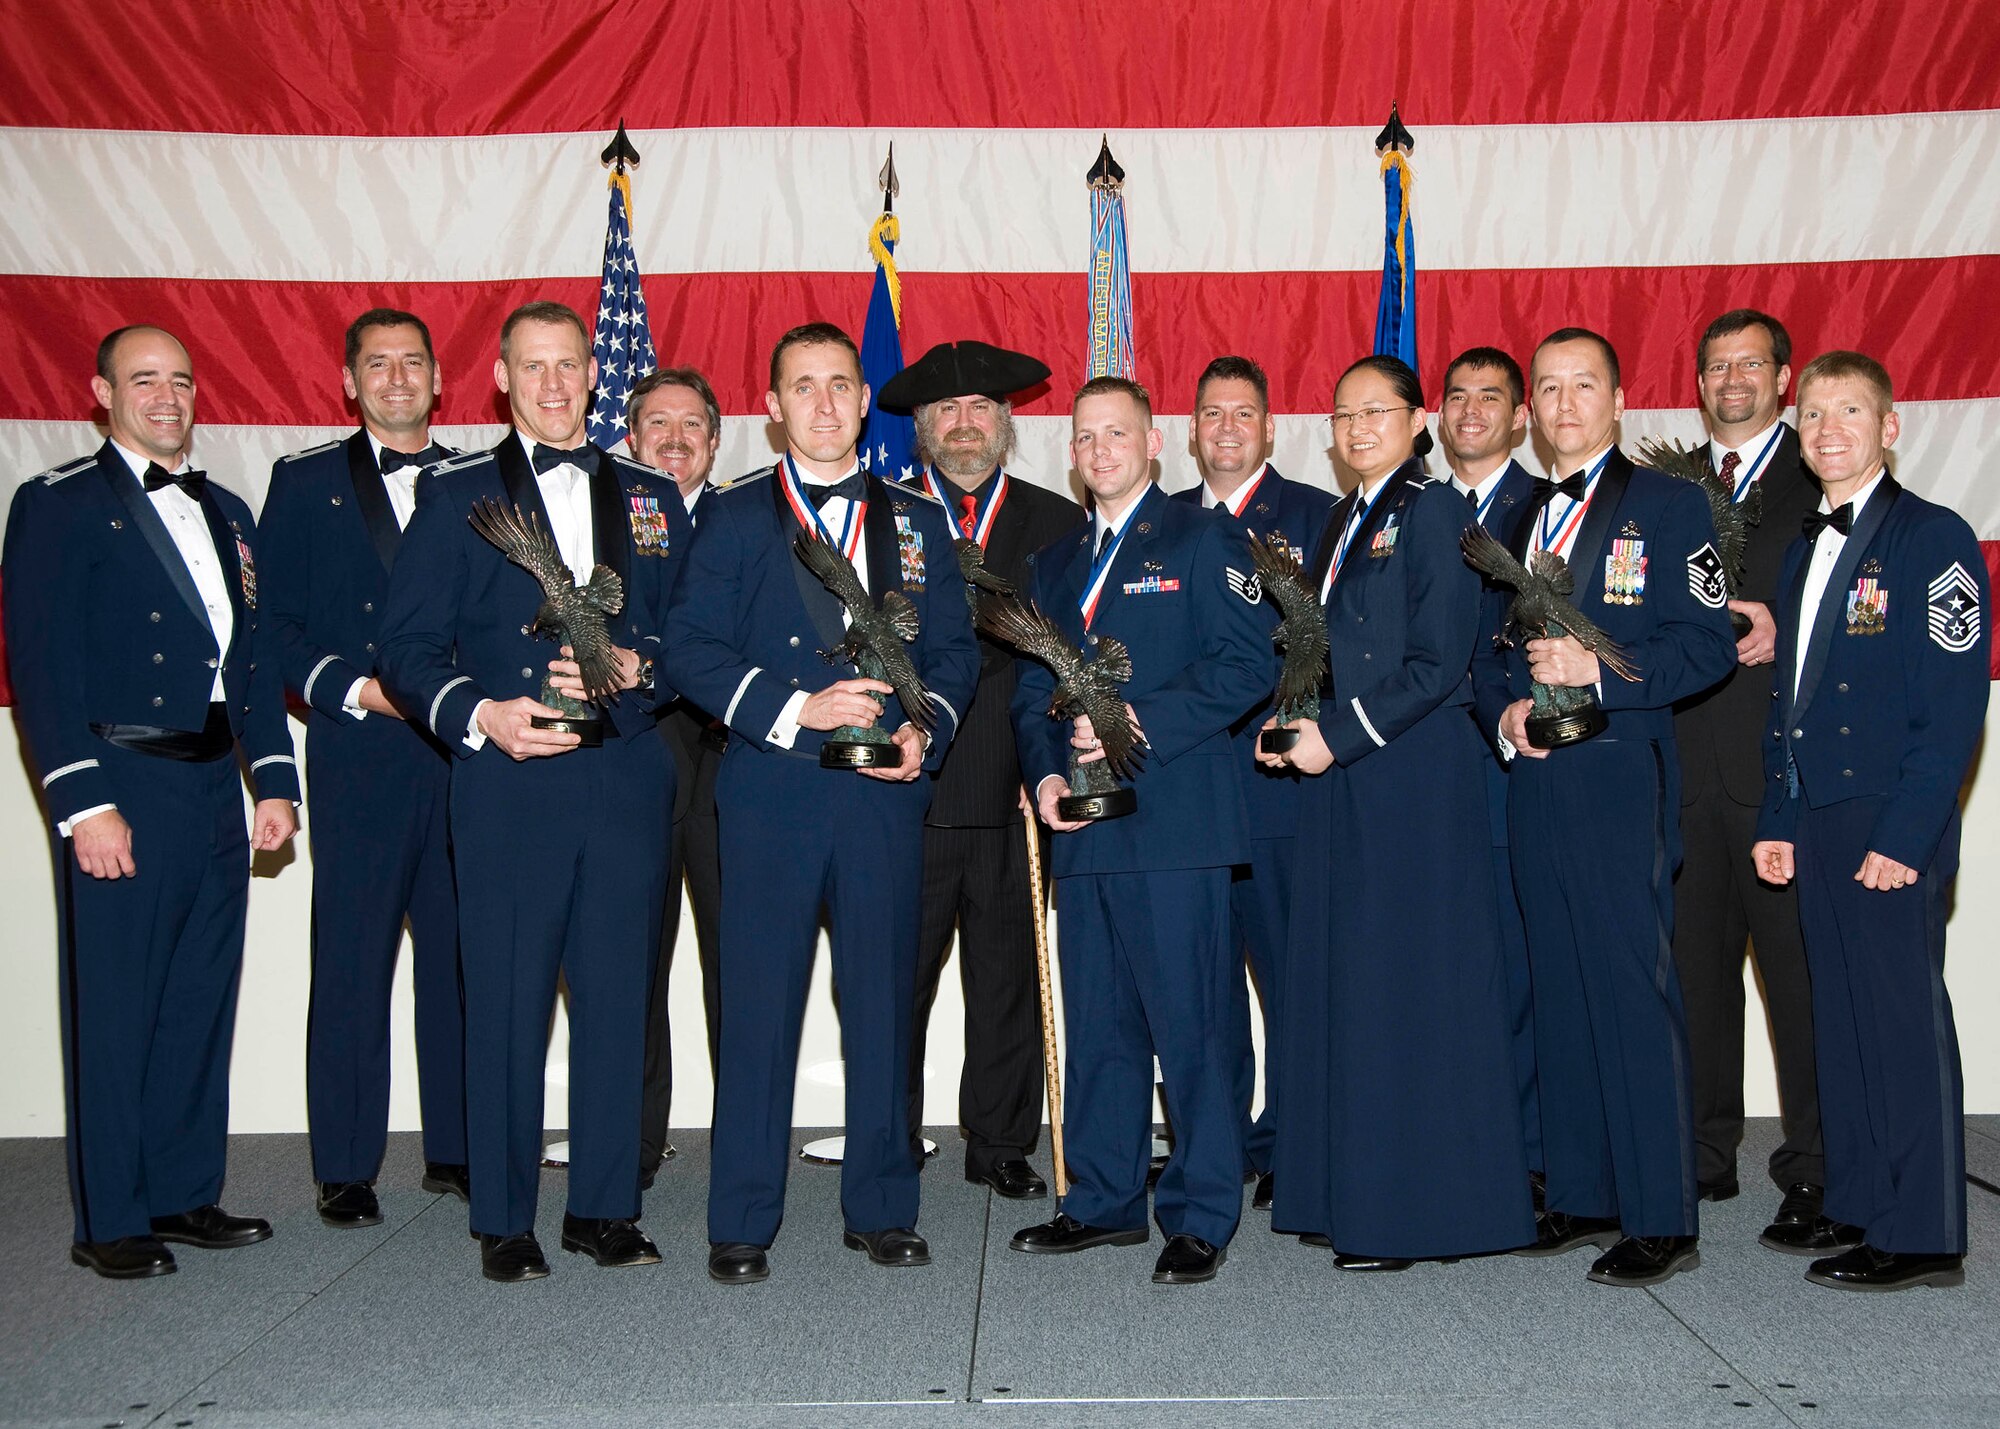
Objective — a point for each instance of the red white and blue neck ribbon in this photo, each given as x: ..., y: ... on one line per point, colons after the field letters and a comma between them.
x: 849, y: 541
x: 1754, y: 469
x: 1564, y: 535
x: 1238, y: 501
x: 1486, y: 501
x: 982, y: 524
x: 1354, y: 520
x: 1100, y: 571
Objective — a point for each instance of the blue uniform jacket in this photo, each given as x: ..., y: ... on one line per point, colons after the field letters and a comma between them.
x: 1295, y: 511
x: 456, y: 630
x: 749, y: 622
x: 1402, y: 615
x: 332, y: 540
x: 1892, y: 699
x: 1201, y: 660
x: 1511, y: 507
x: 1661, y: 599
x: 104, y: 626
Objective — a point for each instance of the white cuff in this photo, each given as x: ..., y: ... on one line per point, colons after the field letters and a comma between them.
x: 1505, y: 745
x: 785, y: 729
x: 474, y: 740
x: 63, y: 826
x: 1362, y: 715
x: 352, y: 703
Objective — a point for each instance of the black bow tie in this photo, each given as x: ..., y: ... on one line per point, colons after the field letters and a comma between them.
x: 393, y: 461
x: 547, y: 459
x: 1571, y: 486
x: 854, y: 487
x: 191, y: 481
x: 1841, y: 518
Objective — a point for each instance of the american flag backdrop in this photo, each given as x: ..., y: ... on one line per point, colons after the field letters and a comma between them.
x: 621, y: 337
x: 251, y: 175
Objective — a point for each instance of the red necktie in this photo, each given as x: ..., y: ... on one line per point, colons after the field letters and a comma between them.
x: 968, y: 520
x: 1730, y: 461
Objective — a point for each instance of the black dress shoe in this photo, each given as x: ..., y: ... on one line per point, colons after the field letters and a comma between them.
x: 1557, y: 1231
x: 132, y: 1257
x: 1538, y: 1190
x: 895, y: 1246
x: 1343, y: 1261
x: 211, y: 1228
x: 1802, y: 1228
x: 1187, y: 1260
x: 1260, y: 1199
x: 510, y: 1259
x: 1013, y: 1178
x: 1866, y: 1268
x: 1065, y: 1234
x: 1725, y: 1189
x: 732, y: 1262
x: 612, y: 1243
x: 1646, y: 1260
x: 1316, y: 1240
x: 448, y: 1178
x: 347, y: 1204
x: 1155, y: 1167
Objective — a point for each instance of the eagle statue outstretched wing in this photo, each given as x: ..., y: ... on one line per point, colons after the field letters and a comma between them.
x: 878, y: 632
x: 1301, y: 630
x: 571, y: 613
x: 1541, y: 595
x: 1083, y: 686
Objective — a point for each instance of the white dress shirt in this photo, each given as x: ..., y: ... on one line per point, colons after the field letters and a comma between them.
x: 401, y: 484
x: 182, y: 515
x: 1238, y: 499
x: 565, y: 493
x: 185, y: 522
x: 1753, y: 455
x: 784, y: 730
x: 1826, y: 550
x: 1484, y: 487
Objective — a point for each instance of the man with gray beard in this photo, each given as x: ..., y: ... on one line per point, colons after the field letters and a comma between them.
x: 975, y: 853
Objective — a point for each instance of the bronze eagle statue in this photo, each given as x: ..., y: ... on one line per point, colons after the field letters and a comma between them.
x: 1541, y: 599
x: 1085, y: 685
x: 1733, y: 519
x: 875, y: 635
x: 571, y: 614
x: 978, y: 579
x: 1301, y: 631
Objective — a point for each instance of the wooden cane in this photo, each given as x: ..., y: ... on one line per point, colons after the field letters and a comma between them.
x: 1051, y: 1060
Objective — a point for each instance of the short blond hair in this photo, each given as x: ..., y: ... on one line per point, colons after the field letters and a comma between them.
x: 1841, y: 363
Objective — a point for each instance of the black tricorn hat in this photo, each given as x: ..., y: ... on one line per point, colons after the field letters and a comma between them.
x: 961, y: 369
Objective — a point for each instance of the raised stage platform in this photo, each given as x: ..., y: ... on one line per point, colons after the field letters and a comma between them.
x: 393, y: 1326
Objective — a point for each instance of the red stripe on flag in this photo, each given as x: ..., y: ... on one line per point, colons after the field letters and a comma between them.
x: 269, y: 353
x: 510, y: 66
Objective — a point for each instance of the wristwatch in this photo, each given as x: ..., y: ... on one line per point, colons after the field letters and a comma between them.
x: 645, y: 675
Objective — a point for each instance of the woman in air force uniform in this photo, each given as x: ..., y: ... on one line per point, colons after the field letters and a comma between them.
x: 1401, y: 1137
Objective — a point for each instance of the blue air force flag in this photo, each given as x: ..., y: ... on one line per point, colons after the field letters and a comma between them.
x: 888, y: 439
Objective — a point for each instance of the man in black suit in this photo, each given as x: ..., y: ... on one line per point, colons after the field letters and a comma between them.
x: 676, y: 427
x: 1742, y: 368
x: 975, y: 853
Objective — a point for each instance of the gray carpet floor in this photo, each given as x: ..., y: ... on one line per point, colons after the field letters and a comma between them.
x: 393, y: 1326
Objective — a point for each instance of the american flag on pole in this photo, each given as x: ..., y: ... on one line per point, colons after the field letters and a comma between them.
x: 623, y: 345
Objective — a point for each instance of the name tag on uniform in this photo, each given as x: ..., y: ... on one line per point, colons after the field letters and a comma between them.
x: 1867, y: 607
x: 650, y: 533
x: 1625, y: 573
x: 246, y: 570
x: 910, y: 547
x: 1384, y: 543
x: 1152, y: 585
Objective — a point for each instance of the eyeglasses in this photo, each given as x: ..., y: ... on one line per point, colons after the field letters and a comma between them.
x: 1366, y: 416
x: 1749, y: 367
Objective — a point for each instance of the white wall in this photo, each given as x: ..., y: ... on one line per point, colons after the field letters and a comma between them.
x: 268, y: 1079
